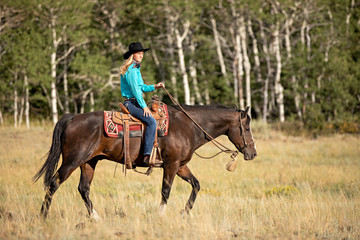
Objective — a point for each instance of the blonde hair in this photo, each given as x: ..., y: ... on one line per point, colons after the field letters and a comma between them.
x: 126, y: 65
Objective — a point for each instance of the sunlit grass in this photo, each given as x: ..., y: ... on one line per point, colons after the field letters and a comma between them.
x: 296, y: 188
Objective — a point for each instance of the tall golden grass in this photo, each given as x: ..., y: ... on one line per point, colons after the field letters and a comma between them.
x: 296, y: 188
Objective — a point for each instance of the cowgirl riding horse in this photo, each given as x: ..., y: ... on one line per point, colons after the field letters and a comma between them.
x: 81, y: 139
x: 132, y: 89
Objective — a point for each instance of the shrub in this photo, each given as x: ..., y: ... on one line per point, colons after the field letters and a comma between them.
x: 281, y: 191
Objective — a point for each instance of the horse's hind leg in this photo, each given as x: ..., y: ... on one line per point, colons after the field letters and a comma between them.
x: 61, y: 175
x: 54, y: 185
x: 170, y: 171
x: 87, y: 174
x: 185, y: 173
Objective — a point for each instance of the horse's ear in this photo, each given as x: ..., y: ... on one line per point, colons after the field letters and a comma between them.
x: 247, y: 110
x: 245, y: 113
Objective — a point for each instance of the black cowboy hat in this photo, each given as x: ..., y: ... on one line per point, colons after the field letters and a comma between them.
x: 133, y: 48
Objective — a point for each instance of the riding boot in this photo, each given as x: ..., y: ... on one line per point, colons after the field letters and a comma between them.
x: 147, y: 159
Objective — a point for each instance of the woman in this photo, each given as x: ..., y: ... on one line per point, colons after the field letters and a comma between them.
x: 132, y: 89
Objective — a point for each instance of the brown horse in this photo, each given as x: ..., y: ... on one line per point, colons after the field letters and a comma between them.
x: 81, y: 140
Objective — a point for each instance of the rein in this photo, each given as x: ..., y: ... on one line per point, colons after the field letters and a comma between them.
x: 213, y: 140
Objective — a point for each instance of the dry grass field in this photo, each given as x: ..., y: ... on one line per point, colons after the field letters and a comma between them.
x: 297, y: 187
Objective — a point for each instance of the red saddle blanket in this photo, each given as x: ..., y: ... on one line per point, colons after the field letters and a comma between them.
x: 116, y: 130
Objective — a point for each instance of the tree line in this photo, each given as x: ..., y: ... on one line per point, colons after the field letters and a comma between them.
x: 287, y: 59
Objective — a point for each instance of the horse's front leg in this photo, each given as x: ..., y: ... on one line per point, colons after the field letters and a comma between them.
x: 185, y: 173
x: 169, y: 174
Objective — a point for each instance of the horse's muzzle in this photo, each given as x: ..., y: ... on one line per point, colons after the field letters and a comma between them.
x: 250, y: 156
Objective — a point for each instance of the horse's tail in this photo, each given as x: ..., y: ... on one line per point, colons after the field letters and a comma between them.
x: 53, y: 155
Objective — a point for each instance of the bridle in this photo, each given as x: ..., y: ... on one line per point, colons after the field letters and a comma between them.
x: 243, y: 136
x: 213, y: 140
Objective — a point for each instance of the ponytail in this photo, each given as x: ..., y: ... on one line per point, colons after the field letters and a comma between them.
x: 126, y: 65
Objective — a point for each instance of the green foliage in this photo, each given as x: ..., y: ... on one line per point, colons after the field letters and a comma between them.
x: 325, y: 76
x: 314, y: 117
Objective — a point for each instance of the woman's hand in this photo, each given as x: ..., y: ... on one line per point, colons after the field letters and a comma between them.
x: 147, y: 112
x: 159, y: 85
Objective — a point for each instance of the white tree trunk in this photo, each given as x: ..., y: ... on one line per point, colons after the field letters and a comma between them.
x: 256, y: 58
x: 240, y: 70
x: 287, y: 35
x: 255, y: 51
x: 302, y: 30
x: 329, y: 42
x: 54, y: 61
x: 92, y: 101
x: 218, y: 49
x: 288, y: 24
x: 53, y: 89
x: 112, y: 20
x: 66, y: 93
x: 348, y: 16
x: 15, y: 108
x: 66, y: 87
x: 308, y: 47
x: 297, y: 96
x: 206, y: 91
x: 83, y: 100
x: 173, y: 79
x: 235, y: 79
x: 247, y: 66
x: 170, y: 26
x: 179, y: 41
x: 279, y: 90
x: 53, y: 64
x: 27, y: 105
x: 193, y: 73
x: 207, y: 95
x: 269, y: 73
x: 1, y: 118
x: 265, y: 99
x: 272, y: 101
x: 303, y: 41
x: 159, y: 66
x: 22, y: 104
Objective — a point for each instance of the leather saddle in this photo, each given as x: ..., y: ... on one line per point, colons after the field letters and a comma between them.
x: 125, y: 119
x: 124, y: 115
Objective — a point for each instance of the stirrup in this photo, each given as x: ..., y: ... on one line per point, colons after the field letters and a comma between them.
x: 147, y: 173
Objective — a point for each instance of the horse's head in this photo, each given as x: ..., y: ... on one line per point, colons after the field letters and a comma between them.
x: 240, y: 135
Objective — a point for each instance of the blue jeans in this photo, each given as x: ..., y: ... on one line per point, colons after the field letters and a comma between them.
x: 135, y: 110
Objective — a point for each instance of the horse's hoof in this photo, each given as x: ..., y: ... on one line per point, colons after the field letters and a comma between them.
x: 43, y: 216
x: 162, y: 209
x: 80, y: 226
x: 185, y: 213
x: 95, y: 216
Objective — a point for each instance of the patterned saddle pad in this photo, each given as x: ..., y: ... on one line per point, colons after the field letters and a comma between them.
x: 116, y: 130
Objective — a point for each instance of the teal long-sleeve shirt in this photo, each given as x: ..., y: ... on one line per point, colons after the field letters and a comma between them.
x: 133, y: 86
